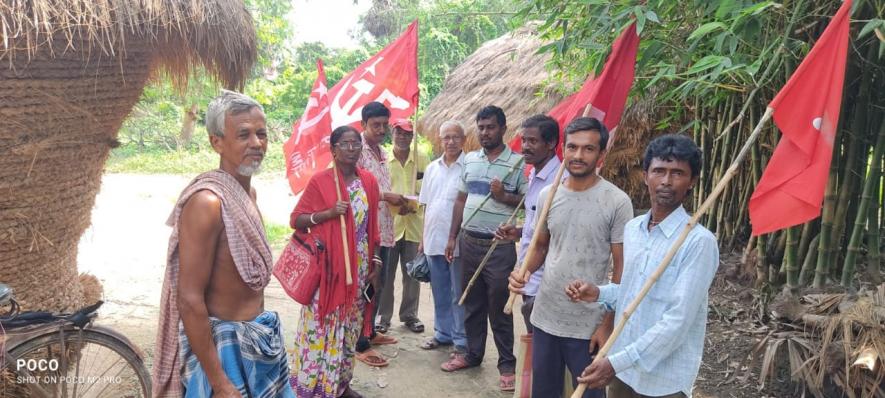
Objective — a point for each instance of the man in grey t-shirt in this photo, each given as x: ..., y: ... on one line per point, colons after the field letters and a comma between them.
x: 584, y: 230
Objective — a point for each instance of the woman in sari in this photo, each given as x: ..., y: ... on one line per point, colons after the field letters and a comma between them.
x: 339, y: 313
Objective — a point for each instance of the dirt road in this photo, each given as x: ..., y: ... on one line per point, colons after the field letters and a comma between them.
x: 125, y: 249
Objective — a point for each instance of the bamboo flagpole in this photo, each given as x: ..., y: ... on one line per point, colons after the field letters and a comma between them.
x: 343, y: 229
x: 541, y: 224
x: 489, y: 195
x: 650, y: 282
x: 488, y: 255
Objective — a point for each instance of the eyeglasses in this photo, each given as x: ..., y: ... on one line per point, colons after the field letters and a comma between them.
x: 352, y: 146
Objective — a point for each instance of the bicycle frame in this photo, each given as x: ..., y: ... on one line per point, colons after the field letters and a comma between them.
x: 59, y: 328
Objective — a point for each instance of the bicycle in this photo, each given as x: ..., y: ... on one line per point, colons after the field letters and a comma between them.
x: 66, y: 355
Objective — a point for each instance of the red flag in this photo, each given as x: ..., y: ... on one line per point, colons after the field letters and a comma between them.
x: 390, y: 77
x: 307, y: 150
x: 806, y: 110
x: 606, y: 93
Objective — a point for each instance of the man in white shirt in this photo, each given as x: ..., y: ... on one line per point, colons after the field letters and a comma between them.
x: 438, y: 193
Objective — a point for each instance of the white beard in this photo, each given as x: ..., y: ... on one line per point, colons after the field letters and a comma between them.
x: 249, y: 170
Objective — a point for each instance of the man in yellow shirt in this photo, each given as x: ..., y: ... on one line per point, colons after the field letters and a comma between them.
x: 405, y: 180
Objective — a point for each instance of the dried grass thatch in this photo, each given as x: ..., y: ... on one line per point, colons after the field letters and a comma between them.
x: 832, y: 341
x: 506, y: 72
x: 70, y: 72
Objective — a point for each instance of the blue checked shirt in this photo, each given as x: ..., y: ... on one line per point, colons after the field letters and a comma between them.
x: 659, y: 351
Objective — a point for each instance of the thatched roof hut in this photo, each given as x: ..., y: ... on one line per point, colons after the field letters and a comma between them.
x: 509, y: 73
x: 70, y: 72
x: 506, y: 72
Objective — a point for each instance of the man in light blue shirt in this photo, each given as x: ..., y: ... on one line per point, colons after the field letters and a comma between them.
x: 659, y: 352
x: 540, y: 137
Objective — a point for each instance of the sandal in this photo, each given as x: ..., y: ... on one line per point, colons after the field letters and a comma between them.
x: 372, y: 358
x: 383, y: 339
x: 507, y: 382
x: 456, y: 362
x: 415, y: 325
x: 381, y: 329
x: 432, y: 344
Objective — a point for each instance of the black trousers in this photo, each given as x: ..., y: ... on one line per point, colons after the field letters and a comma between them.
x: 484, y: 304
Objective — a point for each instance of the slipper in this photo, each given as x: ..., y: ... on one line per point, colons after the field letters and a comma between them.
x: 383, y: 339
x: 372, y: 358
x: 457, y: 362
x: 507, y: 382
x: 415, y: 325
x: 381, y: 328
x: 432, y: 344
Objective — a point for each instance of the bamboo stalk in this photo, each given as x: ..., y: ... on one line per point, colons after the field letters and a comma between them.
x: 489, y: 195
x: 653, y: 278
x: 861, y: 219
x: 804, y: 240
x: 347, y: 273
x: 791, y: 261
x: 761, y: 262
x: 807, y: 267
x: 826, y: 223
x: 488, y: 255
x: 873, y: 235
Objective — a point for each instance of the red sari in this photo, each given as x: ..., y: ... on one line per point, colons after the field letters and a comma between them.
x: 334, y: 293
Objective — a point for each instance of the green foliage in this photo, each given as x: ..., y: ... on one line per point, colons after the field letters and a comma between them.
x: 277, y: 234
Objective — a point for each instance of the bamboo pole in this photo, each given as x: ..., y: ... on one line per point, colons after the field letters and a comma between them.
x: 826, y: 221
x: 348, y: 275
x: 415, y: 155
x: 488, y: 255
x: 489, y: 195
x: 807, y: 263
x: 711, y: 199
x: 542, y: 222
x: 791, y: 260
x: 873, y: 234
x: 861, y: 219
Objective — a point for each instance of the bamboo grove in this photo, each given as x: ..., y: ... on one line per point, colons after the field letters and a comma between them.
x: 711, y: 66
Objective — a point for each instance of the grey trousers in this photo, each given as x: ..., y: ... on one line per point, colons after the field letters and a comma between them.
x: 403, y: 252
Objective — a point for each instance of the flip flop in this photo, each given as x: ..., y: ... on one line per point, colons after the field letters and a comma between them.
x: 383, y: 339
x: 372, y: 358
x: 456, y: 362
x: 415, y: 325
x: 507, y: 382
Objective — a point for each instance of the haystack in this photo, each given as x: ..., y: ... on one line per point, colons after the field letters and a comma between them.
x: 508, y: 72
x: 70, y: 72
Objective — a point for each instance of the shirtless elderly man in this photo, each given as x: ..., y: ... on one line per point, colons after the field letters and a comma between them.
x: 215, y: 338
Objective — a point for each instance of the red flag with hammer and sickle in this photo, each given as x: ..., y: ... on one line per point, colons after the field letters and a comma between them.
x: 389, y: 77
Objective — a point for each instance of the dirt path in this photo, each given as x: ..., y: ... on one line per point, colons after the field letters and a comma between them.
x: 125, y: 249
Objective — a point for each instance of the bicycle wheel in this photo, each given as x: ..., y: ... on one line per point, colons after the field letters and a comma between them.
x: 95, y: 365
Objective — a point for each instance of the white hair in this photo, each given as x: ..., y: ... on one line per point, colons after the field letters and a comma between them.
x: 451, y: 123
x: 228, y: 102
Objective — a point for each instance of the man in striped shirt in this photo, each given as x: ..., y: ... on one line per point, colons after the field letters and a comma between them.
x: 492, y: 185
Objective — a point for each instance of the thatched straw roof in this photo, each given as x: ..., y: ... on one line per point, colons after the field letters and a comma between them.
x: 215, y: 34
x: 70, y: 72
x: 506, y: 72
x: 509, y: 73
